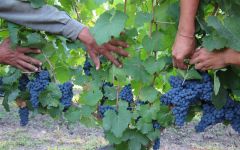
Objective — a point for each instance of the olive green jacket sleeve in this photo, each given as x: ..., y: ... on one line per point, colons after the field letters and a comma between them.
x: 46, y: 18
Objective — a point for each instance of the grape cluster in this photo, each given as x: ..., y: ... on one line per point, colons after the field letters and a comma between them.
x: 185, y: 93
x: 67, y: 94
x: 211, y: 115
x: 23, y: 114
x: 156, y: 144
x: 37, y: 85
x: 87, y: 67
x: 23, y: 81
x: 126, y: 93
x: 102, y: 109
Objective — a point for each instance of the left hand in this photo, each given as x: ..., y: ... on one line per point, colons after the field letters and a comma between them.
x: 106, y: 49
x: 205, y: 60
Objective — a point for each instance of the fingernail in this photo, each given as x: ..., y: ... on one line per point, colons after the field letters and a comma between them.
x: 40, y: 64
x: 97, y: 68
x: 120, y: 66
x: 36, y: 69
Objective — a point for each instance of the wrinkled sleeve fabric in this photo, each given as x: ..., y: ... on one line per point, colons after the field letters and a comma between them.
x: 46, y: 18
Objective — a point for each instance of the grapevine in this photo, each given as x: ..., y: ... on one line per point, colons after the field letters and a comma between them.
x: 125, y: 101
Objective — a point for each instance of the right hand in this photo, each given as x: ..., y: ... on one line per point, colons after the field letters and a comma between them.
x: 18, y: 58
x: 106, y: 49
x: 183, y: 48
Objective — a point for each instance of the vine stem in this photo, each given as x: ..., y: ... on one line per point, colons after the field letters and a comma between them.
x: 117, y: 101
x: 51, y: 67
x: 151, y: 25
x: 215, y: 11
x: 125, y: 6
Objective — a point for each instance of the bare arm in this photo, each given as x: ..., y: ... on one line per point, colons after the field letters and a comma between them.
x: 205, y: 60
x: 188, y: 12
x: 184, y: 44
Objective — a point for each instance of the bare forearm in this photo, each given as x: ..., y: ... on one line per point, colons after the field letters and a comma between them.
x: 188, y: 10
x: 232, y: 57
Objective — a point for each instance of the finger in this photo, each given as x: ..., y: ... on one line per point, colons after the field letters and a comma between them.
x: 30, y: 60
x: 196, y: 54
x: 27, y: 66
x: 174, y: 62
x: 180, y: 63
x: 200, y: 66
x: 195, y: 60
x: 204, y: 69
x: 119, y: 43
x: 28, y: 50
x: 94, y: 58
x: 21, y: 68
x: 110, y: 57
x: 116, y: 50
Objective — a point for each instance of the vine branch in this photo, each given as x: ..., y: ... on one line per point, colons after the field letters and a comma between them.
x: 51, y: 67
x: 125, y: 6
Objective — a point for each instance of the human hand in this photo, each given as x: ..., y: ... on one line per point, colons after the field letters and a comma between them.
x: 18, y: 58
x: 105, y: 49
x: 205, y: 60
x: 183, y: 48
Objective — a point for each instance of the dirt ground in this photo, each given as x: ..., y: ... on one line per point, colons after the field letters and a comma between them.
x: 44, y: 133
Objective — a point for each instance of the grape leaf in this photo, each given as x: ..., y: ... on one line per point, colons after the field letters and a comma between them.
x: 50, y: 96
x: 108, y: 25
x: 117, y: 123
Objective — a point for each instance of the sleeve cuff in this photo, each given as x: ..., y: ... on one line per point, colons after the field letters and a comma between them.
x: 72, y: 29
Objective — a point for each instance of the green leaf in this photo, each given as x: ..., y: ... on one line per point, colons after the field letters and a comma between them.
x: 55, y: 112
x: 50, y: 96
x: 12, y: 76
x: 217, y: 83
x: 144, y: 127
x: 134, y: 136
x: 108, y: 25
x: 5, y: 103
x: 190, y: 74
x: 110, y: 92
x: 214, y: 42
x: 152, y: 43
x: 13, y: 95
x: 142, y: 17
x: 228, y: 29
x: 220, y: 99
x: 164, y: 116
x: 111, y: 138
x: 13, y: 32
x: 148, y: 94
x: 35, y: 40
x: 72, y: 114
x: 117, y: 123
x: 92, y: 95
x: 134, y: 67
x: 152, y: 65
